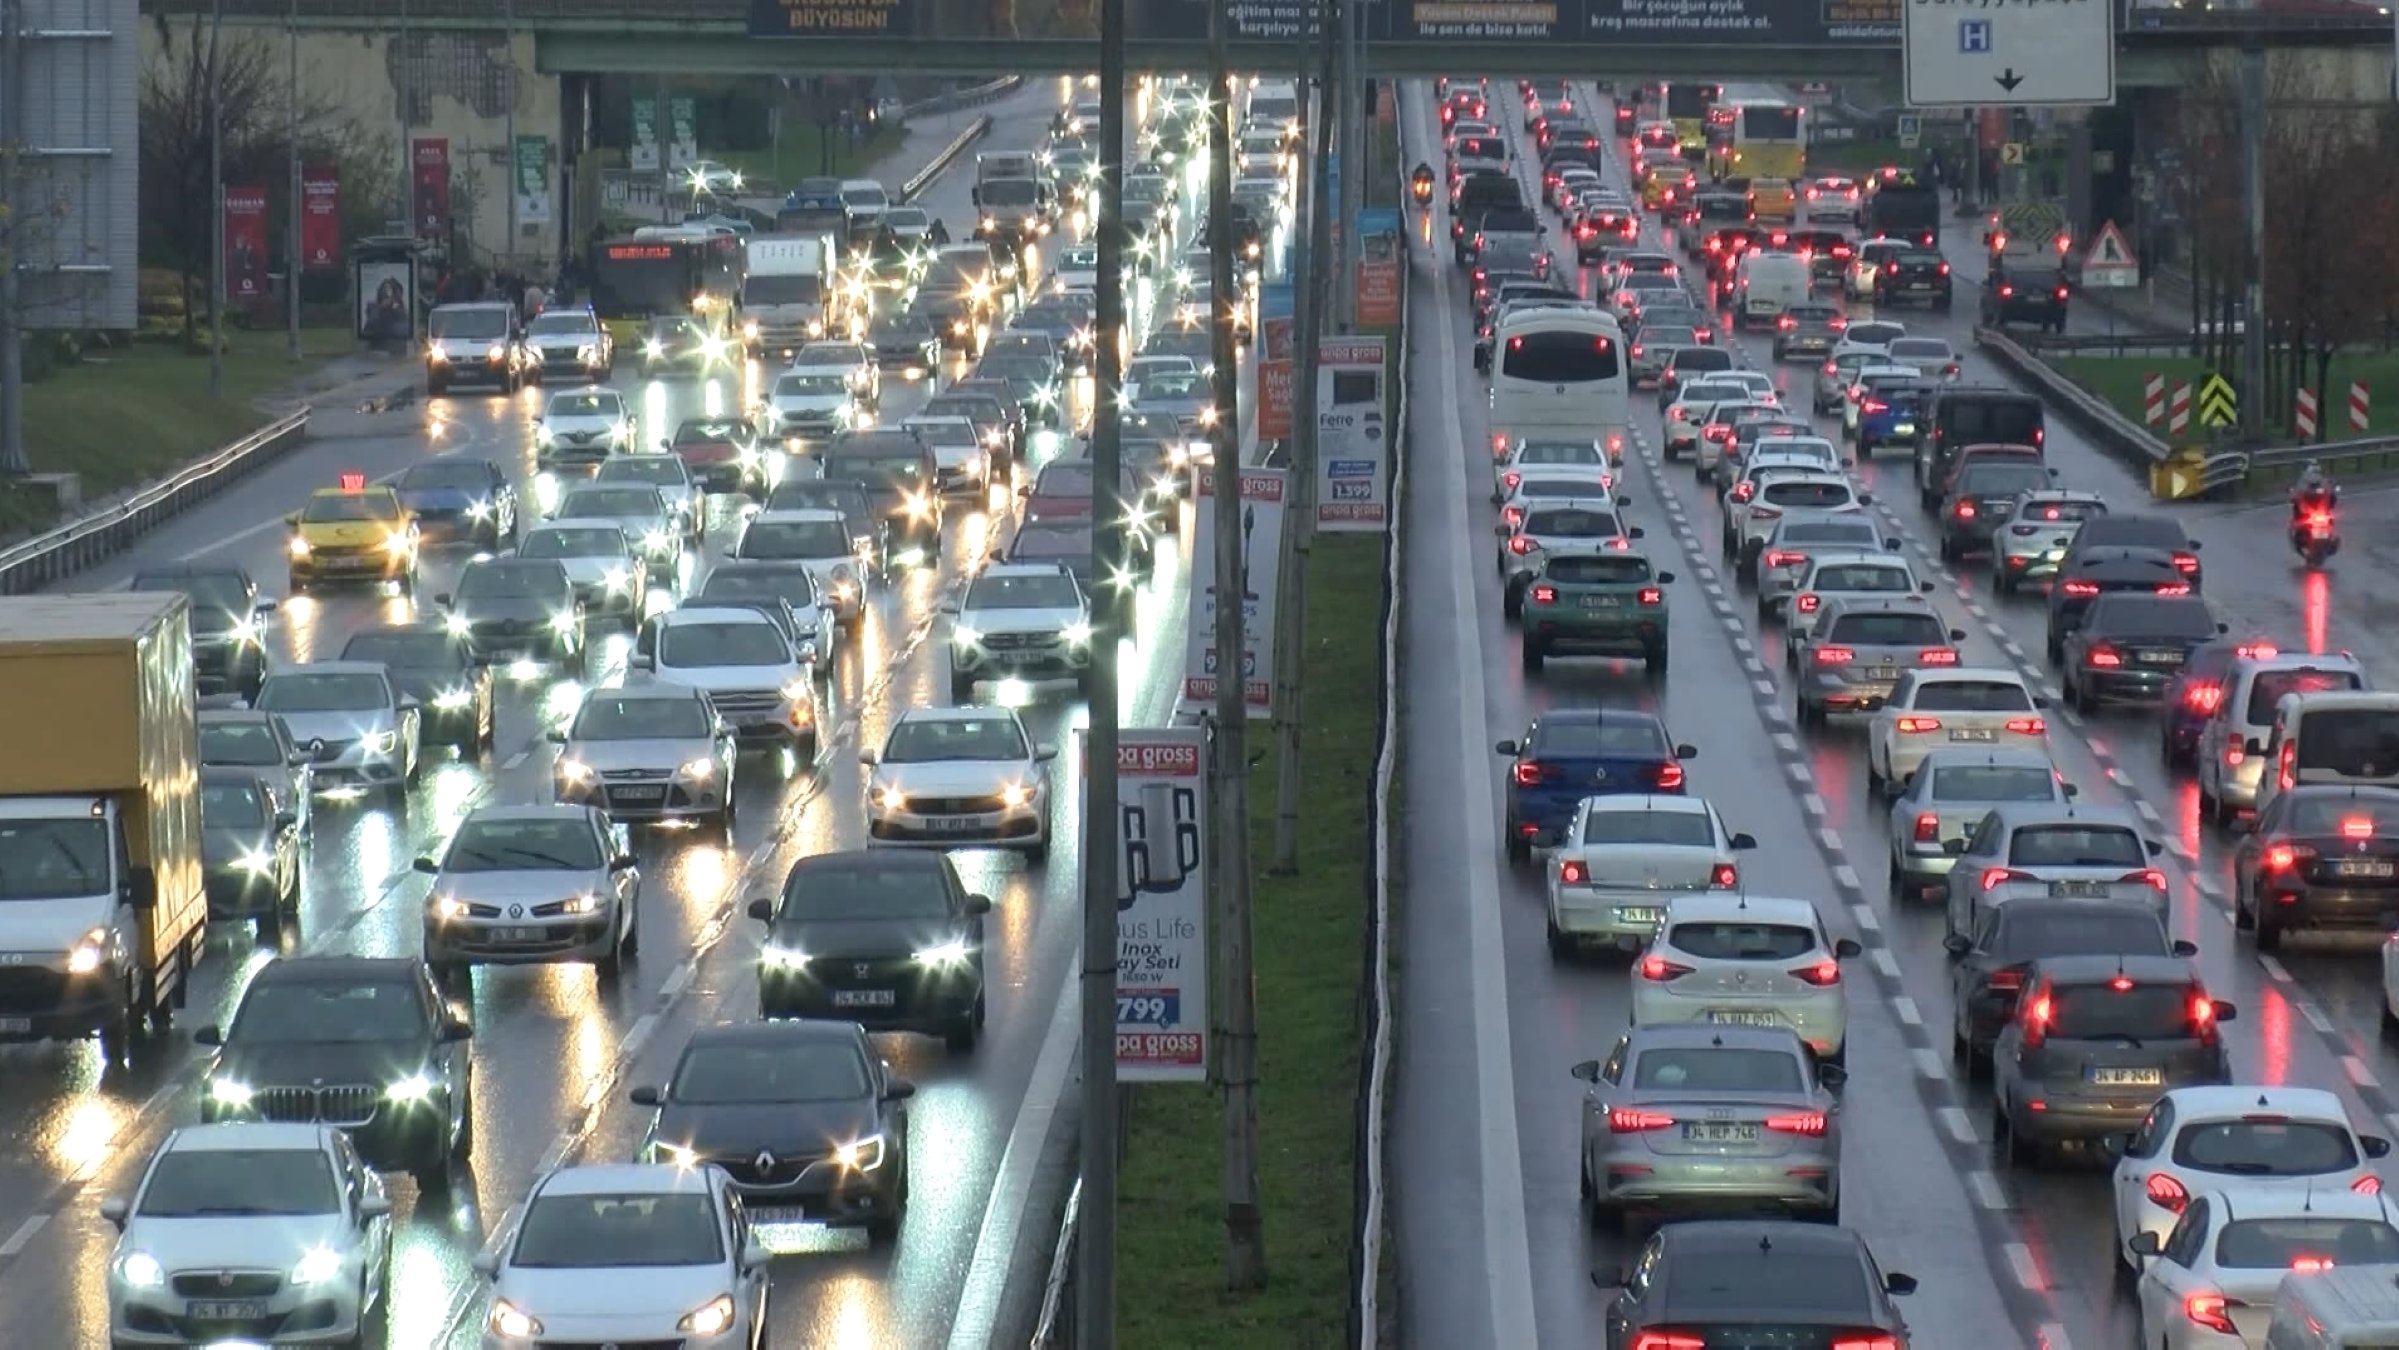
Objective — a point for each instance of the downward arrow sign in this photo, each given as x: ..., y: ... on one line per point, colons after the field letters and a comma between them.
x: 2008, y: 79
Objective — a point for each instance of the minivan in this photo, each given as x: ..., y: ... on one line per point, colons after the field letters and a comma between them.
x: 2229, y: 752
x: 2347, y: 738
x: 1765, y: 285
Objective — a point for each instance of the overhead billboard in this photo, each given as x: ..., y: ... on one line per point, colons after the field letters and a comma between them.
x: 1663, y: 23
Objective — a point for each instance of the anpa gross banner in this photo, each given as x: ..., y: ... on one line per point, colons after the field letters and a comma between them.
x: 1162, y: 905
x: 1353, y: 443
x: 1263, y: 494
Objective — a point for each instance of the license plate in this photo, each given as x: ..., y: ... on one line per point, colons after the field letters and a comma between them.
x: 864, y: 998
x: 516, y: 935
x: 1972, y: 734
x: 1726, y: 1017
x: 1719, y: 1132
x: 2128, y: 1077
x: 2162, y: 658
x: 2078, y: 890
x: 1630, y: 915
x: 1903, y: 429
x: 15, y: 1026
x: 638, y: 794
x: 1883, y: 673
x: 225, y: 1310
x: 778, y: 1214
x: 349, y: 564
x: 950, y: 824
x: 2364, y: 868
x: 1603, y: 602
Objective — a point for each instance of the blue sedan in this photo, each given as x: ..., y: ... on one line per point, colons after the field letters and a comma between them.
x: 1583, y: 752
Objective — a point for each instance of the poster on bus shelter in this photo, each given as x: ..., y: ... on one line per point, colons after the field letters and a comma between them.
x: 1260, y: 539
x: 1162, y: 905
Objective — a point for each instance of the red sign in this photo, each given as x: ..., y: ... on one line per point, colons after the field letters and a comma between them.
x: 320, y: 217
x: 245, y: 244
x: 1378, y: 293
x: 429, y: 186
x: 1278, y: 381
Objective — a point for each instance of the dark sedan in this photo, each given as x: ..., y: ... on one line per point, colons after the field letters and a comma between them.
x: 2128, y: 648
x: 436, y: 667
x: 721, y: 452
x: 465, y: 500
x: 249, y: 851
x: 229, y: 652
x: 893, y: 940
x: 1981, y: 499
x: 1756, y: 1282
x: 2087, y: 576
x: 2320, y: 857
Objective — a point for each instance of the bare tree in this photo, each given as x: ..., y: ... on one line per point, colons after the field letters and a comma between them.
x: 32, y: 209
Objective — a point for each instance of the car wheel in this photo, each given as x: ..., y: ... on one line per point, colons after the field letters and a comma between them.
x: 1038, y: 852
x: 1531, y: 653
x: 463, y: 1147
x: 961, y: 1038
x: 1561, y: 947
x: 962, y: 688
x: 1520, y: 849
x: 1511, y: 601
x: 2268, y: 926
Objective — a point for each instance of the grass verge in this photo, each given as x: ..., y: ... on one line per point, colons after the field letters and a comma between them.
x: 120, y: 418
x: 809, y: 150
x: 1309, y: 934
x: 1861, y: 156
x: 2120, y: 379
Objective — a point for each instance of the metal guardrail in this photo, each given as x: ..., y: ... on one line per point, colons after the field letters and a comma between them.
x: 940, y: 163
x: 104, y: 533
x: 2164, y: 346
x: 2117, y: 434
x: 973, y: 96
x: 1055, y: 1328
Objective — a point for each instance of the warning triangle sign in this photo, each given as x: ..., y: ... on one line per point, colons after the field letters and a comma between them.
x: 2109, y: 261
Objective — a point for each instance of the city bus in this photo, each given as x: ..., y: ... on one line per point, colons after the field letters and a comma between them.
x: 1767, y: 139
x: 670, y: 269
x: 1560, y: 372
x: 1687, y: 107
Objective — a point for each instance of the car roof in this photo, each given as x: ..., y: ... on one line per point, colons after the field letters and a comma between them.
x: 338, y: 970
x: 232, y: 775
x: 696, y: 614
x: 330, y: 668
x: 1628, y: 803
x: 625, y: 1179
x: 796, y: 515
x: 1753, y: 1238
x: 1025, y: 569
x: 2015, y: 816
x: 2253, y: 1201
x: 1706, y: 906
x: 663, y: 691
x: 968, y: 714
x: 2194, y: 1105
x: 530, y: 811
x: 1971, y: 675
x: 1959, y: 757
x: 249, y: 1136
x: 209, y: 716
x: 1701, y: 1035
x: 778, y: 1031
x: 556, y: 523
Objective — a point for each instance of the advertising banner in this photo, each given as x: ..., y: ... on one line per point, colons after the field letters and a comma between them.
x: 245, y: 245
x: 1380, y: 256
x: 1700, y: 23
x: 429, y: 159
x: 1263, y: 494
x: 1281, y: 23
x: 1162, y: 905
x: 833, y: 18
x: 644, y: 156
x: 386, y: 290
x: 687, y: 132
x: 320, y: 217
x: 1353, y: 445
x: 532, y: 180
x: 1278, y: 335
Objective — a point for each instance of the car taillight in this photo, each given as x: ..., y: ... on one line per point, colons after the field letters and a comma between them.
x: 1809, y: 1123
x: 2284, y: 857
x: 1670, y: 777
x: 1867, y: 1340
x: 1786, y: 323
x: 1743, y: 491
x: 1831, y: 370
x: 1835, y: 656
x: 1511, y: 479
x: 2166, y: 1193
x: 1704, y: 336
x: 1780, y: 557
x: 2367, y: 1185
x: 1545, y: 595
x: 1766, y: 513
x: 1919, y: 726
x: 1937, y: 656
x: 2147, y: 876
x: 2005, y: 980
x: 2186, y: 563
x: 2174, y: 588
x: 1966, y: 511
x: 1514, y: 515
x: 1636, y: 351
x: 1651, y: 595
x: 2037, y: 1017
x: 1520, y: 545
x: 2202, y: 698
x: 1530, y: 772
x: 1572, y: 873
x: 1668, y: 1340
x: 1837, y: 323
x: 2028, y: 726
x: 2203, y: 1016
x: 2007, y: 292
x: 1809, y: 603
x: 1823, y: 974
x: 1995, y: 877
x: 1944, y: 268
x: 1724, y: 877
x: 1659, y: 968
x: 2081, y: 590
x: 1874, y: 405
x: 1715, y: 245
x: 2103, y: 657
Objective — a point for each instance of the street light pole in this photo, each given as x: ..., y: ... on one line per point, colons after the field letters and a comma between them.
x: 12, y: 351
x: 291, y: 132
x: 508, y: 153
x: 216, y: 211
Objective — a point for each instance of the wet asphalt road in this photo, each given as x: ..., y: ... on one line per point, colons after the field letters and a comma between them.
x: 1493, y: 1248
x: 554, y: 1053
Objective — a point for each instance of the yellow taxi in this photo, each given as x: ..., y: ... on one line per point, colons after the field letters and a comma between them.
x: 1773, y: 199
x: 352, y: 533
x: 1665, y: 185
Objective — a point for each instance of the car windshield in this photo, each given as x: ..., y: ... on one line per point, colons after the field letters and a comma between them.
x: 612, y: 503
x: 652, y: 470
x: 1994, y: 783
x: 302, y: 692
x: 2138, y: 1010
x: 698, y: 646
x: 574, y: 541
x: 1919, y: 349
x: 2306, y: 1242
x: 1174, y: 384
x: 1780, y: 1287
x: 1867, y: 577
x: 241, y: 744
x: 2076, y: 930
x: 1615, y: 737
x: 609, y: 1232
x: 2179, y: 619
x: 466, y: 475
x: 1972, y: 696
x: 756, y: 1074
x: 2270, y: 686
x: 2349, y: 815
x: 795, y: 539
x: 1573, y: 523
x: 1702, y: 358
x: 887, y: 327
x: 342, y: 508
x: 1079, y: 260
x: 348, y: 1011
x: 1875, y: 334
x: 616, y: 718
x: 932, y: 740
x: 846, y: 891
x: 504, y: 581
x: 707, y: 433
x: 408, y: 649
x: 585, y: 405
x: 1009, y: 192
x: 216, y: 597
x: 792, y: 585
x: 1744, y: 941
x: 1678, y: 829
x: 881, y: 473
x: 232, y: 806
x: 1859, y: 532
x: 2262, y: 1144
x: 467, y: 323
x: 1042, y: 591
x: 488, y: 844
x: 2077, y: 845
x: 1598, y: 570
x: 811, y: 386
x: 1718, y: 1069
x: 1560, y: 487
x: 2351, y: 742
x: 559, y: 323
x: 207, y: 1183
x: 2001, y: 480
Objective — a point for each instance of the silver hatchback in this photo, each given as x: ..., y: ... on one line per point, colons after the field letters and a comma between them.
x: 1688, y: 1117
x: 1852, y: 658
x: 531, y: 885
x: 2094, y: 1042
x: 648, y: 752
x: 1793, y: 545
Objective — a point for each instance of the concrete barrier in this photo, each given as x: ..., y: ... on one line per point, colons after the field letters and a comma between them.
x: 940, y: 163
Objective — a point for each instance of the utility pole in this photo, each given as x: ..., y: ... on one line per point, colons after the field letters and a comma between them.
x: 407, y: 151
x: 1234, y: 1008
x: 1095, y: 1244
x: 12, y: 348
x: 216, y: 211
x: 1349, y: 134
x: 2253, y: 203
x: 1310, y: 306
x: 291, y: 134
x: 664, y: 121
x: 508, y: 128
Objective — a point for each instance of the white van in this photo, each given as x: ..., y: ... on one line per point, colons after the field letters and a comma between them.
x: 2345, y: 1308
x: 2232, y: 742
x: 1765, y: 285
x: 2346, y: 739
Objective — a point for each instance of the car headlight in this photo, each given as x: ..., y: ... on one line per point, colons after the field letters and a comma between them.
x: 616, y: 581
x: 318, y: 1265
x: 658, y: 541
x: 382, y: 742
x: 860, y: 1155
x: 436, y: 352
x: 244, y: 631
x: 89, y: 954
x: 398, y: 542
x: 948, y: 955
x: 749, y: 330
x: 508, y: 1322
x: 965, y: 636
x: 141, y: 1270
x: 1077, y: 634
x: 779, y: 957
x: 229, y: 1092
x: 699, y: 769
x: 574, y: 771
x: 453, y: 700
x: 710, y: 1318
x: 797, y: 691
x: 586, y: 903
x: 653, y: 349
x: 299, y: 547
x: 674, y: 1155
x: 478, y: 510
x: 448, y: 907
x: 563, y: 621
x: 1015, y: 795
x: 255, y: 863
x: 416, y: 1087
x: 890, y: 798
x: 457, y: 625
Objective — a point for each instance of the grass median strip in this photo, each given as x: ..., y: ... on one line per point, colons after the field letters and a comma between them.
x: 2121, y: 381
x: 1310, y: 930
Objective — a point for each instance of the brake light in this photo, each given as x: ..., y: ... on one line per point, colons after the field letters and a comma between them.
x: 1766, y: 513
x: 1809, y: 1123
x: 2257, y: 651
x: 2203, y: 1015
x: 2208, y: 1310
x: 1809, y: 603
x: 2202, y: 698
x: 2357, y: 827
x: 1995, y: 877
x: 2061, y: 293
x: 2367, y: 1185
x: 2038, y: 1015
x: 2006, y: 979
x: 1839, y: 323
x: 1659, y: 968
x: 1870, y: 1340
x: 1937, y: 656
x: 1841, y: 250
x: 2174, y: 588
x: 1511, y: 479
x: 1874, y: 405
x: 1670, y: 777
x: 2282, y: 857
x: 1786, y: 323
x: 1784, y: 558
x: 1715, y: 244
x: 1573, y: 873
x: 2147, y: 876
x: 2028, y: 726
x: 1520, y: 545
x: 2081, y: 590
x: 2286, y: 765
x: 1831, y: 370
x: 2186, y: 563
x: 1928, y: 827
x: 1919, y: 726
x: 1651, y: 595
x: 1824, y: 974
x: 1834, y: 656
x: 1668, y: 1340
x: 1744, y: 490
x: 1724, y: 877
x: 1530, y: 772
x: 1944, y: 267
x: 1545, y: 595
x: 2103, y: 657
x: 2166, y: 1193
x: 1514, y: 515
x: 1966, y: 510
x: 2310, y: 1265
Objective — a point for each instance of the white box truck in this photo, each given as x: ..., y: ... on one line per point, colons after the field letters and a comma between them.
x: 789, y: 296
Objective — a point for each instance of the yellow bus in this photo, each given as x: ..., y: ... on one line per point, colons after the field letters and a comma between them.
x: 1687, y: 107
x: 1769, y: 139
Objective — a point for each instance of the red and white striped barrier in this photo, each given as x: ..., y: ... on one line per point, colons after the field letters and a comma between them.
x: 2361, y: 407
x: 2153, y: 399
x: 2179, y: 420
x: 2303, y: 412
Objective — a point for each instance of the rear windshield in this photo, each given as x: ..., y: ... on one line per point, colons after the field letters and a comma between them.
x: 1776, y: 1287
x: 1863, y: 577
x: 1680, y: 829
x: 2136, y: 532
x: 1973, y: 696
x: 1600, y: 570
x: 1998, y: 421
x: 2308, y: 1241
x: 1831, y: 531
x: 1713, y: 1069
x: 1560, y: 452
x: 1744, y: 941
x: 2140, y: 1011
x: 1994, y: 783
x: 1890, y: 630
x: 2077, y: 846
x: 1807, y: 494
x: 1615, y: 736
x: 2266, y: 1147
x: 2001, y: 480
x: 2140, y: 616
x: 2270, y: 685
x: 2341, y: 814
x: 1702, y: 358
x: 2062, y: 511
x: 2027, y: 934
x: 1570, y: 523
x: 2352, y: 742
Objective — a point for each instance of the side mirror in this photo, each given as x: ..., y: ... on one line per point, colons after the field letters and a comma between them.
x: 1665, y: 578
x: 263, y: 607
x: 645, y: 1095
x: 427, y: 866
x: 1865, y: 499
x: 485, y: 1264
x: 2184, y: 949
x: 949, y: 607
x: 114, y: 1209
x: 1506, y: 748
x: 455, y: 1031
x: 2375, y: 1145
x: 285, y: 820
x: 978, y: 904
x: 1927, y: 587
x: 641, y: 663
x: 898, y: 1090
x: 2070, y: 790
x: 1043, y: 754
x: 1742, y: 843
x: 2146, y: 1244
x: 623, y: 862
x: 1957, y: 635
x: 754, y: 1258
x: 1894, y: 542
x: 2114, y: 1145
x: 1636, y: 532
x: 1686, y: 752
x: 319, y: 751
x: 762, y: 909
x: 1587, y: 1071
x: 2040, y: 700
x: 1954, y: 847
x: 208, y: 1036
x: 443, y: 599
x: 2155, y: 846
x: 1846, y: 948
x: 1958, y: 945
x: 2222, y: 629
x: 868, y: 758
x: 555, y: 737
x: 2196, y: 545
x: 375, y: 1207
x: 1897, y: 1285
x: 292, y: 519
x: 2226, y: 1012
x: 1832, y: 1075
x: 1605, y: 1282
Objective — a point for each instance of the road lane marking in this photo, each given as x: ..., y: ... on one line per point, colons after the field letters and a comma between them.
x: 1004, y: 1214
x: 1905, y: 1009
x: 1929, y: 1066
x: 1884, y: 964
x: 1846, y: 877
x: 1813, y: 805
x: 2053, y: 1337
x: 1954, y: 1120
x: 1986, y: 1190
x: 2357, y: 1070
x: 2027, y: 1270
x: 2274, y: 968
x: 2316, y: 1018
x: 18, y: 1240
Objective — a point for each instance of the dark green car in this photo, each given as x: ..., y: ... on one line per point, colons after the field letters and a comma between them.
x: 1596, y: 604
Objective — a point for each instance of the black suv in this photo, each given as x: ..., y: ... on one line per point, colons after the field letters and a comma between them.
x: 1987, y: 966
x: 367, y: 1044
x: 436, y: 666
x: 229, y: 653
x: 1913, y: 274
x: 890, y: 940
x: 2021, y: 294
x: 516, y: 609
x: 1966, y: 414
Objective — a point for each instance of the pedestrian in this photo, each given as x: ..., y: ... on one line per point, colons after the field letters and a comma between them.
x: 535, y: 301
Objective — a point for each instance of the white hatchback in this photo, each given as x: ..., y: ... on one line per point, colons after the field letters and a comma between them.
x: 1747, y: 960
x: 1971, y: 707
